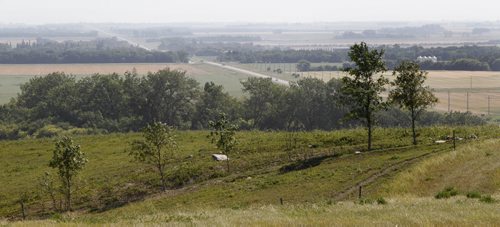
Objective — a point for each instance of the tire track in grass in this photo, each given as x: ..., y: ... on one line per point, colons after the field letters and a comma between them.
x: 343, y: 194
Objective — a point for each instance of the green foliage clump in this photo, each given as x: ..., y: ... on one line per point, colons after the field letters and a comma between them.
x: 366, y: 201
x: 487, y: 199
x: 446, y: 193
x: 410, y: 92
x: 223, y: 135
x: 381, y: 201
x: 361, y: 92
x: 10, y: 132
x: 68, y: 159
x: 473, y: 195
x: 185, y: 174
x: 52, y: 130
x: 156, y: 149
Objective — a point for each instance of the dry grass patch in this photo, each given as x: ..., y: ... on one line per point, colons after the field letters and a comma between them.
x: 402, y: 211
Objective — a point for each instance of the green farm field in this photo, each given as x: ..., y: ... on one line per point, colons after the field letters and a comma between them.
x: 317, y: 181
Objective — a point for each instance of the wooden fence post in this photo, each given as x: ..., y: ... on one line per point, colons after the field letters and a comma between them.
x: 454, y: 141
x: 23, y: 209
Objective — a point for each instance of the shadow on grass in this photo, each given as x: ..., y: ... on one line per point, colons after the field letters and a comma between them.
x: 113, y: 201
x: 305, y: 164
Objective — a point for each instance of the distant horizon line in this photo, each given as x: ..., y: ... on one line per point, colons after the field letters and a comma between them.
x: 260, y: 22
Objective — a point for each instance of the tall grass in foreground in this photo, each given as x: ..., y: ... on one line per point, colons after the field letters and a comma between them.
x: 399, y: 211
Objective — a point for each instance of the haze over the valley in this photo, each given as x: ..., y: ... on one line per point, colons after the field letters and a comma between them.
x: 153, y: 11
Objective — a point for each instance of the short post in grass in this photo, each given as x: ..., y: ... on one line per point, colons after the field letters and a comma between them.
x: 23, y: 209
x: 359, y: 193
x: 281, y: 201
x: 454, y: 141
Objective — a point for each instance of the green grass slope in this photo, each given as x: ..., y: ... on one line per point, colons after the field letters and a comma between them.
x: 313, y: 177
x: 471, y: 168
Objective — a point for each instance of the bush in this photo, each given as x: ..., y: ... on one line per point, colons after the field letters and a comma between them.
x: 473, y: 195
x: 185, y: 174
x: 51, y: 130
x: 366, y: 201
x: 381, y: 201
x: 446, y: 193
x: 48, y: 131
x: 10, y: 132
x: 487, y: 199
x: 495, y: 65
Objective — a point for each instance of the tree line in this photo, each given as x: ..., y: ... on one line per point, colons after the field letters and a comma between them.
x: 44, y: 51
x: 57, y: 103
x: 471, y: 58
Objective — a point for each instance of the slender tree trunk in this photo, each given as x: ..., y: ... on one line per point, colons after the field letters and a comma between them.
x: 227, y: 163
x: 54, y: 203
x: 160, y: 169
x: 68, y: 194
x: 369, y: 126
x: 162, y: 175
x: 413, y: 127
x: 23, y: 209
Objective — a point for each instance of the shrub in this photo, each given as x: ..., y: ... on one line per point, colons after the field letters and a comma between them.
x: 366, y: 201
x: 381, y: 201
x: 185, y: 174
x: 446, y: 193
x: 10, y: 132
x: 48, y: 131
x: 473, y: 195
x: 487, y: 199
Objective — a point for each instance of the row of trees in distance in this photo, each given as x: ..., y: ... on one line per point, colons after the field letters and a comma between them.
x: 471, y: 58
x: 44, y: 51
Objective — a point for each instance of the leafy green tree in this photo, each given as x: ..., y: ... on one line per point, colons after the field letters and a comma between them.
x: 24, y: 199
x: 156, y: 149
x: 495, y: 65
x: 361, y: 90
x: 265, y: 102
x: 168, y: 96
x: 212, y: 101
x: 303, y: 66
x: 223, y: 135
x: 307, y: 100
x: 68, y: 159
x: 52, y: 96
x: 103, y: 94
x: 410, y: 92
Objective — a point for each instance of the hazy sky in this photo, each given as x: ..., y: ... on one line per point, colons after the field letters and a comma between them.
x: 66, y: 11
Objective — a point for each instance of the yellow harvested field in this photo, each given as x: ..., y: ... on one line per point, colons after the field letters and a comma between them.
x: 437, y: 79
x: 87, y: 69
x: 458, y: 83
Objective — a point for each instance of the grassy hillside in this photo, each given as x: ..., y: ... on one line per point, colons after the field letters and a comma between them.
x: 472, y: 168
x: 322, y: 170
